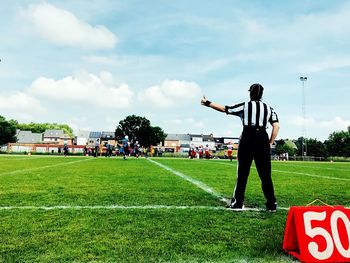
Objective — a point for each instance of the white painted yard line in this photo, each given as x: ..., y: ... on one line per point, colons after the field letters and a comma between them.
x: 43, y: 167
x: 197, y: 183
x: 314, y: 167
x: 122, y: 207
x: 233, y: 164
x: 135, y: 207
x: 313, y: 175
x: 4, y: 156
x: 21, y: 158
x: 111, y: 207
x: 10, y: 156
x: 305, y: 174
x: 14, y: 159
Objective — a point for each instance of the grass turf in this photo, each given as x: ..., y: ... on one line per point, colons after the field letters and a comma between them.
x: 158, y: 234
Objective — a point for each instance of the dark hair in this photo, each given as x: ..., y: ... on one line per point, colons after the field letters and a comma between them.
x: 256, y: 91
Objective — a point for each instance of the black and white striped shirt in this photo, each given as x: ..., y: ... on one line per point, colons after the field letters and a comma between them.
x: 253, y: 113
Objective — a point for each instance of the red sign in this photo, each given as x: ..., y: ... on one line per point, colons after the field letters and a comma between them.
x: 318, y: 234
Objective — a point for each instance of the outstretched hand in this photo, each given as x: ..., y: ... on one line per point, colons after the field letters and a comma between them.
x: 203, y: 100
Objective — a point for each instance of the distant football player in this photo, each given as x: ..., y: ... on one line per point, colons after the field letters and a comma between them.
x: 206, y: 151
x: 125, y: 144
x: 65, y: 150
x: 229, y: 150
x: 97, y: 147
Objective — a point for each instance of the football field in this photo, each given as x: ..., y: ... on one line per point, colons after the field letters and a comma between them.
x: 81, y: 209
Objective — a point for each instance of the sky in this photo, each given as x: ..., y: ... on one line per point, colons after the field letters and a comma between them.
x: 90, y: 64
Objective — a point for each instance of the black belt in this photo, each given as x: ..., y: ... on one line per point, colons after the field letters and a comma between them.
x: 253, y: 128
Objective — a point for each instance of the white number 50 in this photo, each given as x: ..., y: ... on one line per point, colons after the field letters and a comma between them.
x: 319, y: 231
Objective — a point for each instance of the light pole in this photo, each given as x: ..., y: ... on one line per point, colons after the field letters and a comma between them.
x: 303, y: 79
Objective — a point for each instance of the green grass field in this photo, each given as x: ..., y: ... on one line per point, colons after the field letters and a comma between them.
x: 55, y: 209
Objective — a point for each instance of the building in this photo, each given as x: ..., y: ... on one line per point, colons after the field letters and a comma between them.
x: 51, y: 141
x: 183, y: 142
x: 82, y: 137
x: 57, y: 137
x: 53, y: 136
x: 179, y: 142
x: 93, y: 137
x: 108, y: 137
x: 28, y: 137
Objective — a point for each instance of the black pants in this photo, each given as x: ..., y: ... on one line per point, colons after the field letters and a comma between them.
x: 126, y: 151
x: 254, y: 145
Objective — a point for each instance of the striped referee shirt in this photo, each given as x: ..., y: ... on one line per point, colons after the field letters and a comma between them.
x: 253, y: 113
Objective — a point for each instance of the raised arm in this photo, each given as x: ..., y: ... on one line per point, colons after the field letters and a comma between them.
x: 212, y: 105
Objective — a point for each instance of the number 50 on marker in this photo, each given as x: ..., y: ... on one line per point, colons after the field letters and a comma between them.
x: 318, y: 234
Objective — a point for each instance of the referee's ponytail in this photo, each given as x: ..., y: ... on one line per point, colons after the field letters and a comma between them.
x: 256, y: 91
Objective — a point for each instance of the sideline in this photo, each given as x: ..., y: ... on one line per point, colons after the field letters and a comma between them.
x: 316, y: 167
x: 43, y: 167
x: 299, y: 173
x: 277, y: 163
x: 17, y: 158
x: 109, y: 207
x: 313, y: 175
x: 122, y: 207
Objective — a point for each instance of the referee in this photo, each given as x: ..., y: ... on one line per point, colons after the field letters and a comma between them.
x: 254, y: 144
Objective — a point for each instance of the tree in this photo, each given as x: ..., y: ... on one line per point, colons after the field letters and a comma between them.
x: 338, y: 143
x: 151, y: 135
x: 299, y: 143
x: 158, y: 135
x: 42, y: 127
x: 315, y: 148
x: 131, y: 126
x: 286, y: 146
x: 7, y: 131
x: 139, y: 129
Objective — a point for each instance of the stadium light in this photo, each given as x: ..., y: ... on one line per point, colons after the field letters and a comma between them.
x: 303, y: 110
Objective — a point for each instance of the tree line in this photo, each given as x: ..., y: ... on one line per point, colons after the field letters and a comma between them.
x: 8, y: 129
x: 337, y: 144
x: 137, y: 128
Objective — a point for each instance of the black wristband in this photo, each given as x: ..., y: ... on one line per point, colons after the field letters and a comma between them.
x: 207, y: 103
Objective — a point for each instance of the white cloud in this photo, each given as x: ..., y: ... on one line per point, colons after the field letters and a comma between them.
x: 111, y: 122
x: 18, y: 101
x: 171, y: 93
x: 300, y: 121
x: 84, y: 88
x: 229, y: 133
x: 254, y: 28
x: 61, y: 27
x: 303, y: 35
x: 325, y: 24
x: 314, y: 128
x: 20, y: 105
x: 337, y: 123
x: 183, y: 125
x: 187, y: 122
